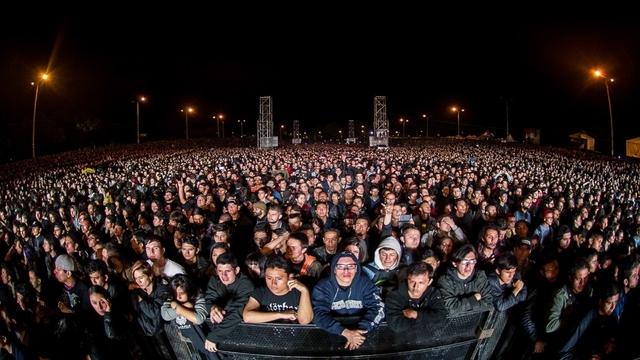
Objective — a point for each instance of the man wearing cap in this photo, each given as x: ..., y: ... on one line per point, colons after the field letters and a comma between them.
x: 260, y: 212
x: 522, y: 252
x: 73, y: 305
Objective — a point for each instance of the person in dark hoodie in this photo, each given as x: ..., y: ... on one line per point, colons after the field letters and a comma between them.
x: 346, y: 292
x: 414, y: 300
x: 227, y: 294
x: 462, y: 287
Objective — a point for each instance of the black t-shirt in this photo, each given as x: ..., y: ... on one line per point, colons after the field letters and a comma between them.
x: 274, y: 303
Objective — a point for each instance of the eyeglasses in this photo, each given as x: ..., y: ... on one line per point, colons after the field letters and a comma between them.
x: 468, y: 261
x: 346, y: 266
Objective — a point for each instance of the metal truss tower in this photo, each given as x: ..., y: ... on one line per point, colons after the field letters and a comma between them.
x: 380, y: 122
x: 352, y: 130
x: 296, y: 132
x: 265, y: 124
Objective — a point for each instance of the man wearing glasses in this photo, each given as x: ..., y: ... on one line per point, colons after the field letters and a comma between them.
x: 463, y: 288
x: 347, y: 303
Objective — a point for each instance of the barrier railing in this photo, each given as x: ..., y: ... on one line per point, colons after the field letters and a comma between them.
x: 472, y: 335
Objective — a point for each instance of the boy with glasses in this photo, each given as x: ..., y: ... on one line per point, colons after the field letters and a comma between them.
x: 462, y: 287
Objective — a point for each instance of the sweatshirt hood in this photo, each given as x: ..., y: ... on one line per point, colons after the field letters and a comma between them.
x: 389, y: 243
x: 339, y: 256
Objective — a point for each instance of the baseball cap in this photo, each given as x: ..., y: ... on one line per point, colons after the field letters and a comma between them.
x: 65, y: 262
x: 525, y: 241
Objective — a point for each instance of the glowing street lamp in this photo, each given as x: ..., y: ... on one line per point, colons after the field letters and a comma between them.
x: 403, y: 122
x: 138, y: 101
x: 186, y: 120
x: 281, y: 129
x: 425, y: 116
x: 458, y: 111
x: 43, y: 77
x: 241, y: 122
x: 218, y: 118
x: 599, y: 74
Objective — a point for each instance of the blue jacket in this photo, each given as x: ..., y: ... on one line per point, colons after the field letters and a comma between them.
x: 361, y: 299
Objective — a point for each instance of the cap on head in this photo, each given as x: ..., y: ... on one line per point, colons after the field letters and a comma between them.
x: 65, y: 262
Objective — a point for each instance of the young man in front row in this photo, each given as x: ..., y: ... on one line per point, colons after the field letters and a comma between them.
x: 282, y: 300
x: 414, y: 300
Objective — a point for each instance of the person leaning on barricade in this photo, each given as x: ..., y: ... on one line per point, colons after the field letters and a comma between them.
x: 462, y: 287
x: 283, y: 299
x: 226, y: 295
x: 347, y: 293
x: 414, y: 300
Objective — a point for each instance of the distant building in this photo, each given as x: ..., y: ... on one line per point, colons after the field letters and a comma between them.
x: 633, y: 147
x: 582, y: 140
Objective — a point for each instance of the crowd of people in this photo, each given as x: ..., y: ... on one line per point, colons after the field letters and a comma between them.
x: 160, y: 251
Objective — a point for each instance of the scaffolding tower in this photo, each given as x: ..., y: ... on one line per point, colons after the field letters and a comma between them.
x: 380, y: 135
x: 352, y: 133
x: 296, y: 132
x: 264, y: 134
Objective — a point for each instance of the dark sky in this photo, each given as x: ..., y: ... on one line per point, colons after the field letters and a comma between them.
x: 322, y: 67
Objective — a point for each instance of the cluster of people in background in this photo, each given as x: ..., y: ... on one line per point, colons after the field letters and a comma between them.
x: 162, y: 253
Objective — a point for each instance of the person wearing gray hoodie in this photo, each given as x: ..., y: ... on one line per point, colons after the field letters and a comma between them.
x: 383, y: 270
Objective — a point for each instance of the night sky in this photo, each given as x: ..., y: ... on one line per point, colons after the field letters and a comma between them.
x: 322, y: 67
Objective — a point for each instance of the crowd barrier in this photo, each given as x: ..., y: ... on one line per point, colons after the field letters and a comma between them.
x: 473, y: 335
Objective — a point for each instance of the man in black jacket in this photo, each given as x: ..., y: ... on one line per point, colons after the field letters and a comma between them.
x: 227, y: 294
x: 414, y: 299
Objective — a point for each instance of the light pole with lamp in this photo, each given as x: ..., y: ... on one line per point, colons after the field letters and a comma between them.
x: 218, y: 118
x: 43, y: 77
x: 281, y: 129
x: 241, y: 122
x: 403, y: 122
x: 425, y: 116
x: 138, y: 101
x: 458, y: 111
x: 186, y: 120
x: 599, y: 74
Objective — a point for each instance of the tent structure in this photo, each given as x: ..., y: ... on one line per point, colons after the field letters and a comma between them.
x: 633, y: 147
x: 487, y: 135
x: 582, y: 140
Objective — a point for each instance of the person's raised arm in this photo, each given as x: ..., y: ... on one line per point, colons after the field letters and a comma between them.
x: 305, y: 310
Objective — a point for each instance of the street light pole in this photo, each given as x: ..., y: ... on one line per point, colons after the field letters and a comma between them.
x: 606, y: 85
x: 37, y: 83
x: 186, y: 124
x: 458, y: 111
x: 425, y: 116
x: 507, y: 116
x: 241, y: 128
x: 600, y: 74
x: 186, y: 121
x: 140, y: 99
